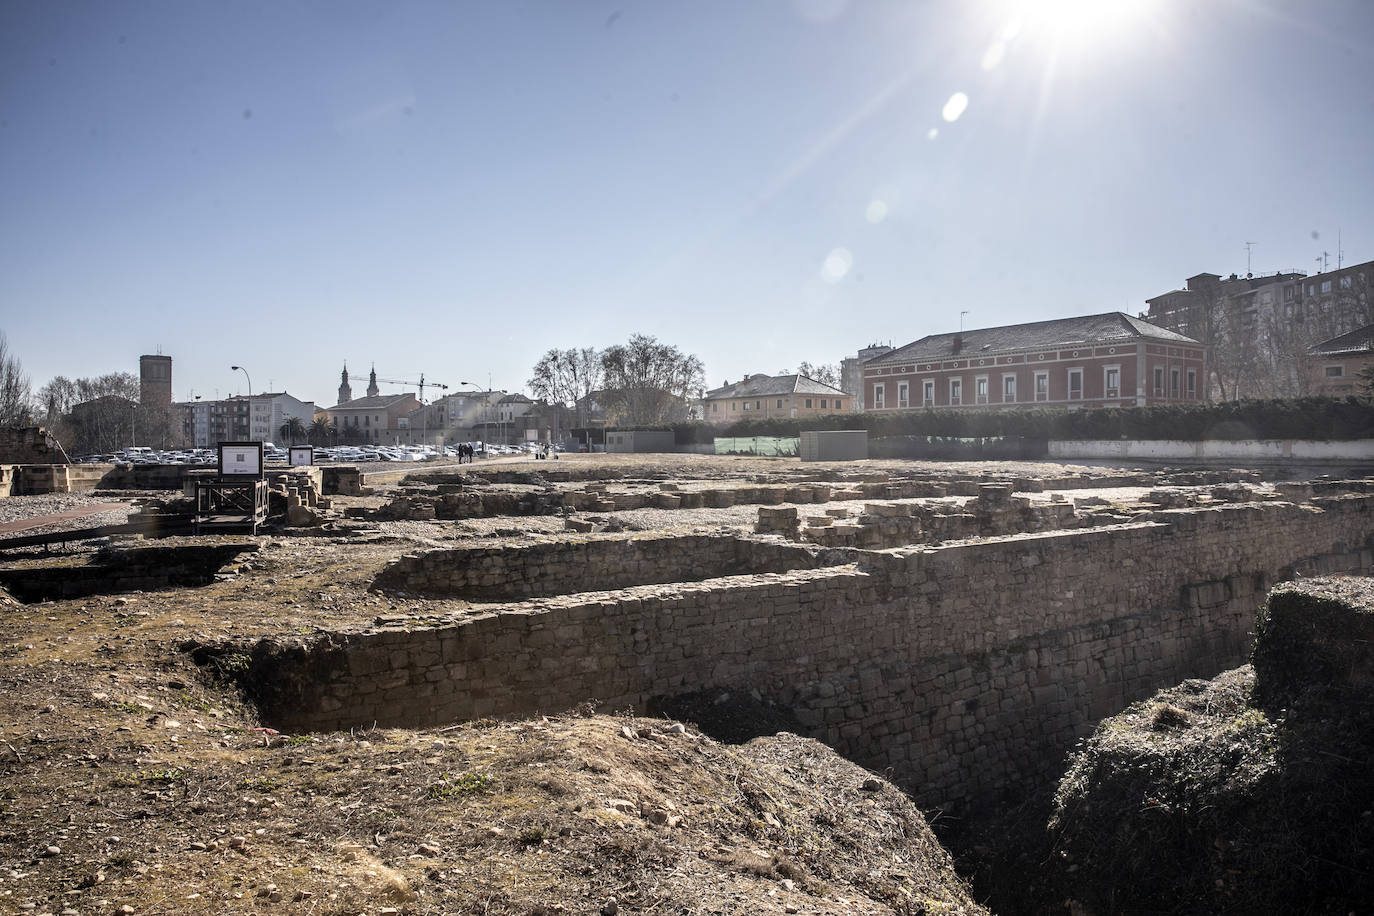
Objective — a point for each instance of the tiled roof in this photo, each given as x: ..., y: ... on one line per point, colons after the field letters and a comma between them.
x: 1358, y: 340
x: 757, y: 386
x: 376, y: 402
x: 1059, y: 332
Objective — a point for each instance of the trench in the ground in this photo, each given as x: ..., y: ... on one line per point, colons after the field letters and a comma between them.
x: 123, y: 569
x: 742, y: 713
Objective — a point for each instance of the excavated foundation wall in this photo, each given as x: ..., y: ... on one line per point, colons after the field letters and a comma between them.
x: 968, y: 669
x: 538, y: 570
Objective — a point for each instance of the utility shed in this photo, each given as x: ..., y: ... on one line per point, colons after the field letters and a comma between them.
x: 640, y: 440
x: 834, y: 444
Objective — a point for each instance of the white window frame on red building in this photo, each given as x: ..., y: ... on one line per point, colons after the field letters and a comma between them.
x: 1108, y: 389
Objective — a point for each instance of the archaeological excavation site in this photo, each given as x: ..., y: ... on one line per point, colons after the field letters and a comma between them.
x: 691, y: 684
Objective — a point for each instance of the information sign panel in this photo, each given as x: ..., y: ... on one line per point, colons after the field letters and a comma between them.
x: 240, y: 459
x: 302, y: 456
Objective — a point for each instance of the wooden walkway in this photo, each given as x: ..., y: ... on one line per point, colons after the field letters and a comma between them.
x: 42, y: 521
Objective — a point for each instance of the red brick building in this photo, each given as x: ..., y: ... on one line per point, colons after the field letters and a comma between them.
x: 1110, y: 360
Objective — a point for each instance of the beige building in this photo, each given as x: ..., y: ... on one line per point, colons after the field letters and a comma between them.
x: 381, y: 419
x: 761, y: 397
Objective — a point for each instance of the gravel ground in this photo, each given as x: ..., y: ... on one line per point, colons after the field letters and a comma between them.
x: 18, y: 508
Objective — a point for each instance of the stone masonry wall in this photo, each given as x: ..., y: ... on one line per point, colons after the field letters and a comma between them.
x: 587, y: 564
x: 968, y: 669
x: 29, y: 445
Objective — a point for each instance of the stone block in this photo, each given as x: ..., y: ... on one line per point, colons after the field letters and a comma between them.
x: 299, y: 516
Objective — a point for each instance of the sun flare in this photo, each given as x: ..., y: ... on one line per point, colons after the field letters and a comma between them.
x: 1078, y: 20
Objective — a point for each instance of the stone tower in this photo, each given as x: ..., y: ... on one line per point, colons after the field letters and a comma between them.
x: 345, y: 392
x: 372, y: 389
x: 155, y: 381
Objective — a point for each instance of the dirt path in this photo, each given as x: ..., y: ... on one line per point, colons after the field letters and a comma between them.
x: 41, y: 521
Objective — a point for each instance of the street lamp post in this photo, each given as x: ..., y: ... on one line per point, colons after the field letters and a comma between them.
x: 250, y: 395
x: 245, y: 375
x: 485, y: 405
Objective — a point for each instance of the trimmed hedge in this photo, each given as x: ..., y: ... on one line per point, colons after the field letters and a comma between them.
x: 1320, y: 419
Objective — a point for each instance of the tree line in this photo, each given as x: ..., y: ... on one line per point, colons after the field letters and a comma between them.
x: 87, y: 415
x: 639, y: 383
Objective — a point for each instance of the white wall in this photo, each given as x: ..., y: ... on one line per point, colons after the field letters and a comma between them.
x: 1215, y: 449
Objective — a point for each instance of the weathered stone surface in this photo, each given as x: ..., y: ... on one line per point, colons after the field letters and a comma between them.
x: 968, y: 668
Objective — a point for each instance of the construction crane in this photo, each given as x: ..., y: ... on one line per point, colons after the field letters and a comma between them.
x: 420, y: 384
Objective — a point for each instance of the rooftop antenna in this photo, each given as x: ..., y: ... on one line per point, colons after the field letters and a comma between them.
x: 1322, y: 261
x: 1340, y: 255
x: 1248, y: 272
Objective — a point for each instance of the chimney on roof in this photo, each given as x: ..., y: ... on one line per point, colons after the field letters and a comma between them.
x: 958, y: 342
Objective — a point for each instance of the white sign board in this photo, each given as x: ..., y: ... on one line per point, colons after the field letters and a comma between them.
x: 302, y: 456
x: 240, y: 458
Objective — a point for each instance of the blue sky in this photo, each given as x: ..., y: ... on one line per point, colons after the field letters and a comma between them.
x: 454, y: 188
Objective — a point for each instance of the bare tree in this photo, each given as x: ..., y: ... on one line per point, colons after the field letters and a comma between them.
x: 1307, y: 322
x: 105, y: 415
x: 647, y: 382
x: 16, y: 407
x: 1235, y: 349
x: 825, y: 373
x: 57, y: 398
x: 567, y: 377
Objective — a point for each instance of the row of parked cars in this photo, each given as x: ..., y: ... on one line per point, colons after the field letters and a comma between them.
x: 342, y: 454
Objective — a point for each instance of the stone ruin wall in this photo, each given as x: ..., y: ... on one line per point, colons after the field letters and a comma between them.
x: 586, y: 564
x: 968, y: 669
x: 29, y: 445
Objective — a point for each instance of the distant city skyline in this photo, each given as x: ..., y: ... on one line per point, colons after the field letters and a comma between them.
x: 453, y: 189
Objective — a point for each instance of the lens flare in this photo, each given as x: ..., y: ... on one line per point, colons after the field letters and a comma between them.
x: 954, y: 107
x: 993, y: 55
x: 875, y: 212
x: 836, y: 265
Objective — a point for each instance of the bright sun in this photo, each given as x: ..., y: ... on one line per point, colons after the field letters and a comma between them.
x: 1075, y: 21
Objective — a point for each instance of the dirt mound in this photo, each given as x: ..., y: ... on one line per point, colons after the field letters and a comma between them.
x: 1203, y: 800
x: 131, y: 783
